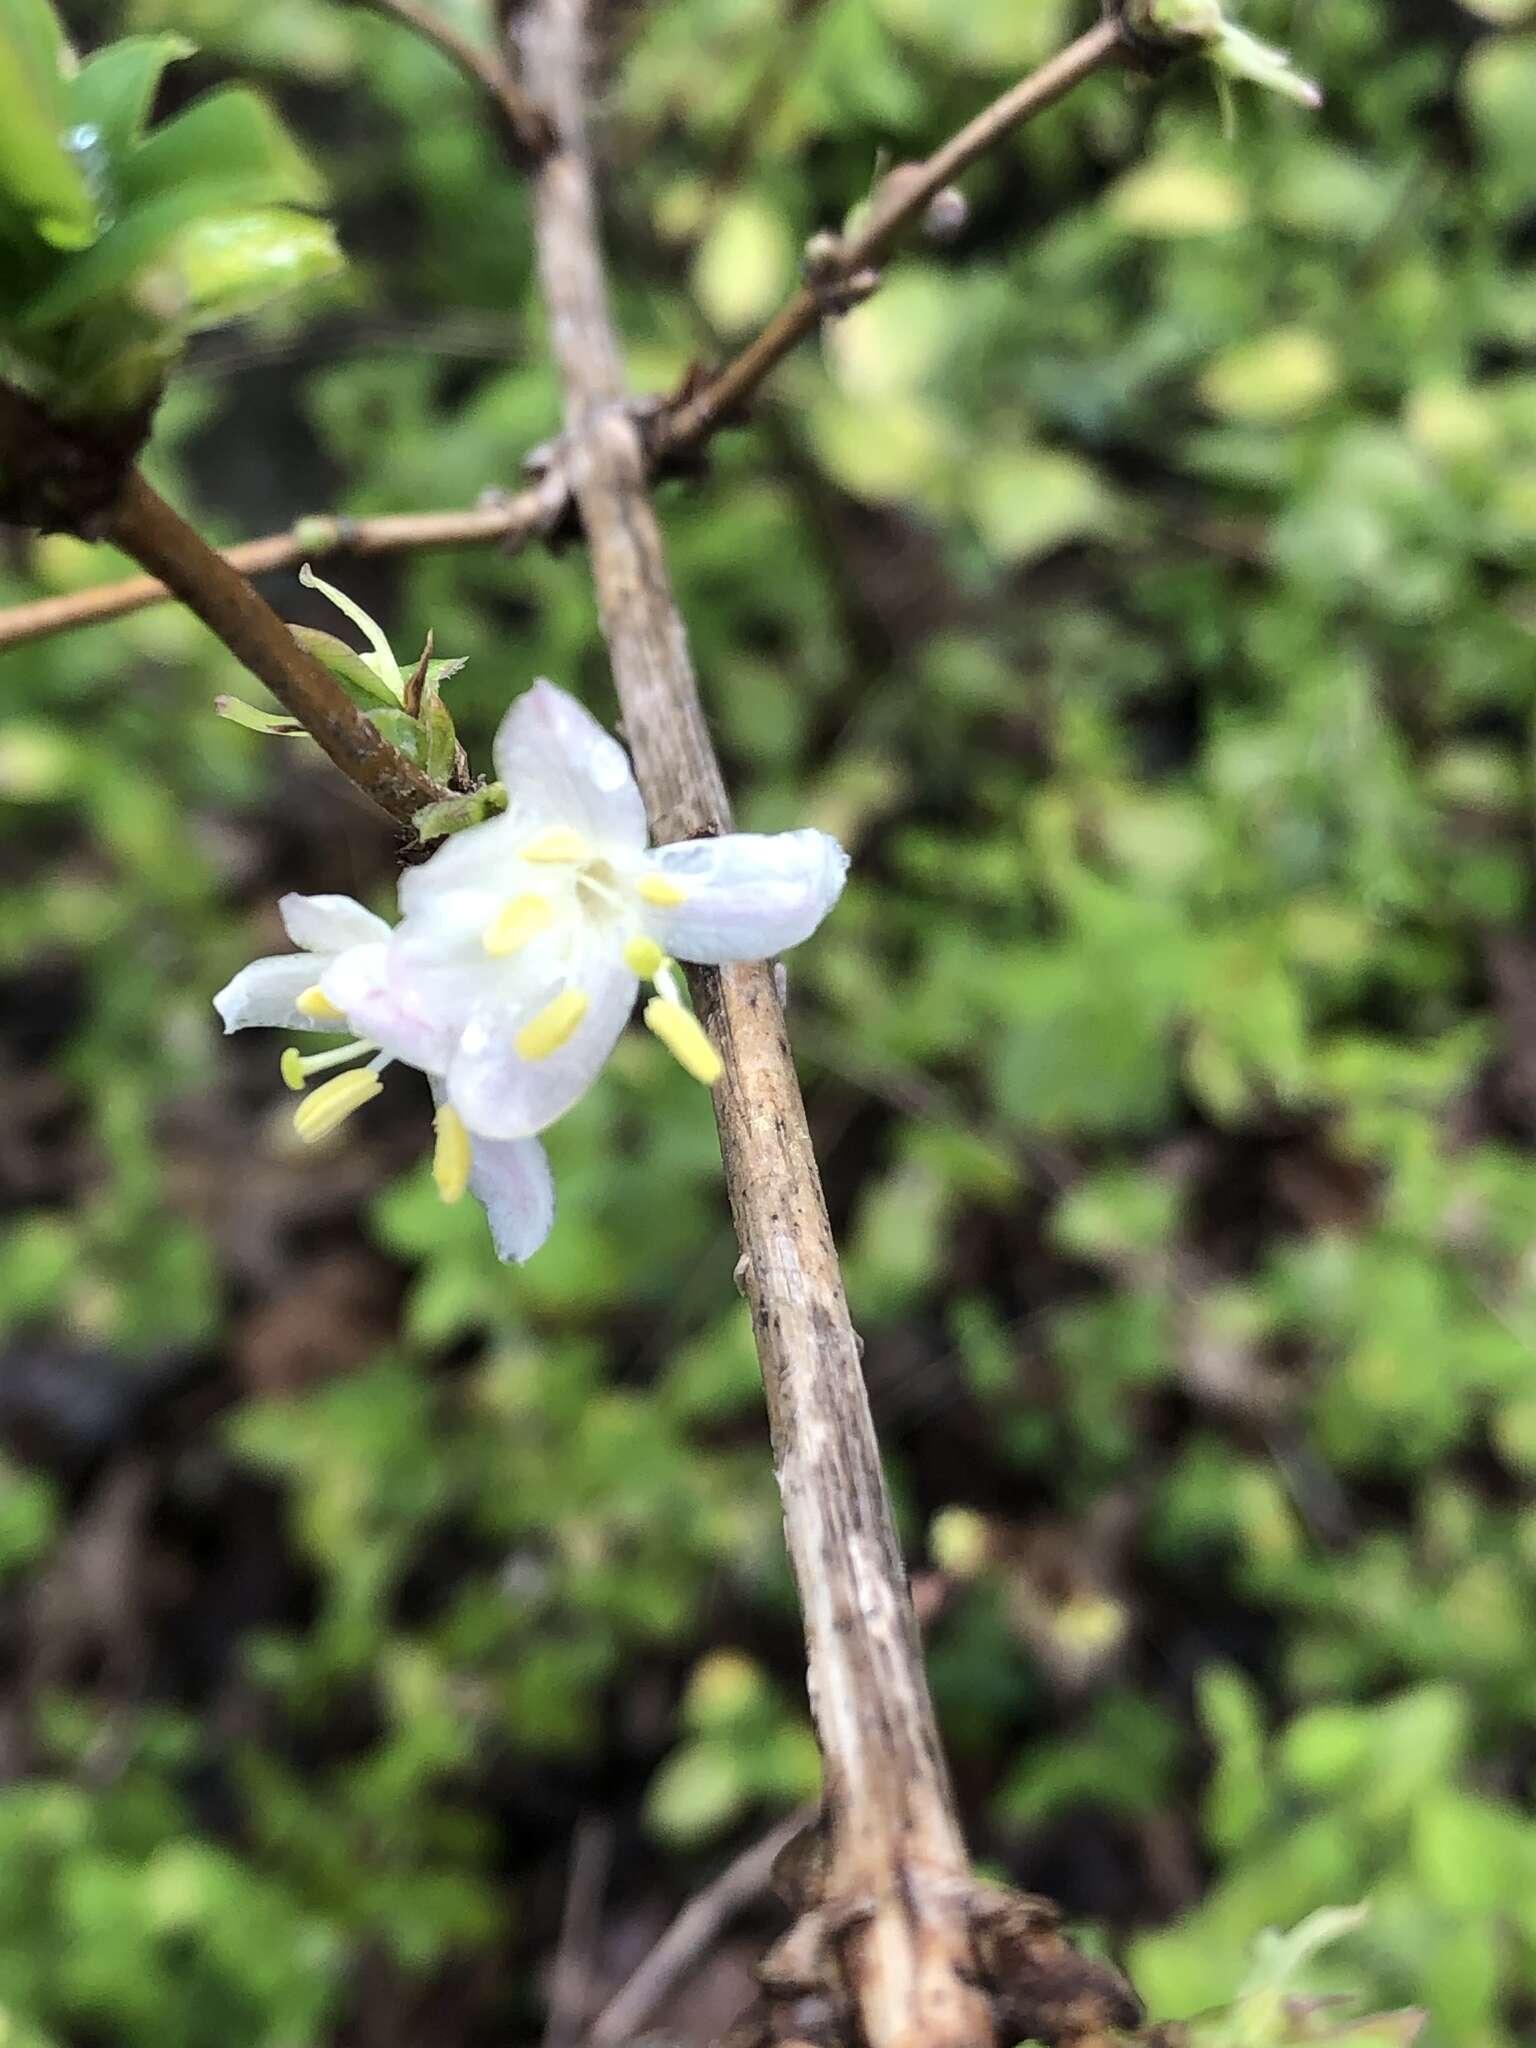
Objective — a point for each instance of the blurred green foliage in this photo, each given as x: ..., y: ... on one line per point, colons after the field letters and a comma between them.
x: 1144, y: 587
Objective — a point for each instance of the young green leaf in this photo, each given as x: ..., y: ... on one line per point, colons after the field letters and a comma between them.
x: 442, y: 742
x: 272, y: 723
x: 229, y: 142
x: 116, y: 88
x: 402, y: 731
x: 41, y: 175
x: 360, y: 681
x: 456, y: 813
x: 216, y: 269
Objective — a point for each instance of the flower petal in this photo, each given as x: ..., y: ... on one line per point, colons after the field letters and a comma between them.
x: 439, y: 967
x: 501, y: 1095
x: 266, y: 992
x: 361, y: 982
x: 561, y: 767
x: 329, y: 924
x: 510, y: 1178
x: 747, y: 895
x: 480, y: 858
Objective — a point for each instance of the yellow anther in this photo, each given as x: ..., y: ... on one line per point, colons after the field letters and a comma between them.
x: 314, y: 1002
x: 554, y: 1024
x: 296, y: 1067
x: 452, y: 1155
x: 683, y: 1036
x: 643, y: 956
x: 333, y: 1102
x: 657, y: 889
x: 560, y: 845
x: 516, y: 923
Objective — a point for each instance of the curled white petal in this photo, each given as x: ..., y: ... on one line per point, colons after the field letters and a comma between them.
x: 560, y: 767
x: 501, y: 1095
x: 746, y: 895
x: 510, y: 1178
x: 329, y: 924
x: 266, y: 992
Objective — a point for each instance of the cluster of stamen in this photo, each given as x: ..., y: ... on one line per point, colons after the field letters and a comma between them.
x: 526, y: 917
x: 335, y: 1100
x: 519, y: 921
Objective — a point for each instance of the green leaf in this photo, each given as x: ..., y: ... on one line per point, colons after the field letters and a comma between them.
x: 140, y: 255
x: 698, y: 1791
x: 442, y: 742
x: 360, y: 682
x: 231, y: 142
x: 40, y: 173
x: 1238, y: 1799
x: 436, y: 722
x: 458, y: 813
x: 275, y: 724
x: 116, y: 89
x: 380, y: 658
x: 402, y: 731
x: 218, y: 269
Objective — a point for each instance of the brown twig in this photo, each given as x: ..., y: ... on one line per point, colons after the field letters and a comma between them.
x: 510, y: 520
x: 692, y: 1934
x: 77, y: 476
x: 674, y: 433
x: 899, y: 199
x: 160, y: 540
x: 896, y: 1873
x: 524, y: 129
x: 570, y: 1987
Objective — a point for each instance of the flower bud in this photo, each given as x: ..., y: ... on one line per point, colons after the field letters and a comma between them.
x: 946, y: 215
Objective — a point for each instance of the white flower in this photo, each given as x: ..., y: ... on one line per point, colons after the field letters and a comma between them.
x: 282, y: 991
x: 524, y: 940
x: 338, y: 939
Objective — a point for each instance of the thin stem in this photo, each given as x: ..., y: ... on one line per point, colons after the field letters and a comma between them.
x: 677, y: 432
x: 144, y: 526
x: 525, y: 130
x: 570, y: 1991
x: 896, y: 1864
x: 899, y: 200
x: 692, y: 1934
x: 512, y: 521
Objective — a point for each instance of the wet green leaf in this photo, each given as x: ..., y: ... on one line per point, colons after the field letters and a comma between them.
x: 41, y: 173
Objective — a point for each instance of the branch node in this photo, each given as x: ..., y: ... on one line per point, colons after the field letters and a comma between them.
x: 833, y: 278
x: 1147, y: 47
x: 1035, y: 1984
x: 64, y: 479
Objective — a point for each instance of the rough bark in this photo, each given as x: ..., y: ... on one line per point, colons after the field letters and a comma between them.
x: 886, y: 1949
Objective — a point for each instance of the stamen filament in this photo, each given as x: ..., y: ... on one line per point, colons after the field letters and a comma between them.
x: 560, y: 845
x: 661, y: 891
x: 517, y: 921
x: 589, y: 885
x: 314, y: 1002
x: 333, y: 1102
x: 452, y: 1155
x: 683, y: 1036
x: 296, y: 1067
x: 553, y: 1026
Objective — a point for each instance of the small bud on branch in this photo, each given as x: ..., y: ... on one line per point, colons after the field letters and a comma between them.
x: 1172, y: 25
